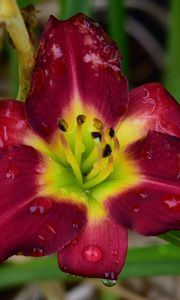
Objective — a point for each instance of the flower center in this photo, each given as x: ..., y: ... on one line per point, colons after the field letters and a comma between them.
x: 89, y: 153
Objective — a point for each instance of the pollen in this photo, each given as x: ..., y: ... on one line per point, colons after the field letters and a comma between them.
x: 62, y: 125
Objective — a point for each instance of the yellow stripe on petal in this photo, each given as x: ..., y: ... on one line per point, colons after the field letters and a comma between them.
x: 130, y: 130
x: 60, y: 184
x: 126, y: 174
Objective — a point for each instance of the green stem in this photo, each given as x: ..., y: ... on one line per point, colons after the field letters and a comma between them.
x: 172, y: 237
x: 11, y: 16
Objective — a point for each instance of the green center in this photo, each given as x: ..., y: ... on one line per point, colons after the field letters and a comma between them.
x: 89, y: 155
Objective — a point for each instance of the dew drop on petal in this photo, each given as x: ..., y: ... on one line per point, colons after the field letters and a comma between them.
x: 74, y: 242
x: 51, y: 229
x: 40, y: 206
x: 76, y: 224
x: 92, y: 253
x: 12, y: 171
x: 172, y: 202
x: 37, y: 252
x: 114, y: 253
x: 136, y: 208
x: 40, y: 170
x: 70, y: 275
x: 109, y: 282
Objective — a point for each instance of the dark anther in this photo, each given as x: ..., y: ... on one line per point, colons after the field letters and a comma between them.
x: 81, y: 119
x: 111, y: 132
x: 107, y: 150
x: 96, y: 135
x: 98, y: 124
x: 63, y: 125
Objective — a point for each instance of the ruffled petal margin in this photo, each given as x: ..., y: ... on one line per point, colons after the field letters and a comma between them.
x: 153, y: 206
x: 32, y: 224
x: 77, y: 71
x: 151, y: 107
x: 99, y: 251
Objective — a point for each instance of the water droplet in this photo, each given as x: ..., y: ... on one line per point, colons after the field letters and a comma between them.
x: 92, y: 253
x: 12, y: 172
x: 37, y: 252
x: 40, y: 206
x: 40, y: 169
x: 64, y: 268
x: 114, y: 252
x: 40, y: 237
x: 51, y: 229
x: 117, y: 261
x: 109, y: 282
x: 144, y: 194
x: 172, y: 202
x: 136, y: 208
x: 74, y: 242
x: 70, y: 275
x: 76, y: 224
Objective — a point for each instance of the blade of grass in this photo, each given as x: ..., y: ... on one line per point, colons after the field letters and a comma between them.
x: 116, y: 29
x: 140, y: 262
x: 69, y: 8
x: 172, y: 72
x: 172, y: 237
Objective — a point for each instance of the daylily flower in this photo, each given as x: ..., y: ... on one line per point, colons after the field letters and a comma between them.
x: 82, y: 161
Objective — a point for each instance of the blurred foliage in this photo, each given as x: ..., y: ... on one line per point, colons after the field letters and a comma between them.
x: 140, y: 262
x: 172, y: 71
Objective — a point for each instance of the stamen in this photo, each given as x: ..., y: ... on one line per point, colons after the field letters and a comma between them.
x: 96, y: 135
x: 63, y: 126
x: 79, y: 146
x: 71, y: 158
x: 105, y: 172
x: 107, y: 150
x: 81, y: 119
x: 98, y: 124
x: 111, y: 132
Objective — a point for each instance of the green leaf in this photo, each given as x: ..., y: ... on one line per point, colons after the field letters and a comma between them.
x: 172, y: 71
x: 72, y: 7
x: 140, y: 262
x: 116, y: 28
x: 172, y: 237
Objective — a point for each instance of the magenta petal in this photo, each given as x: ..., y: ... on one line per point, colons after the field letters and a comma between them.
x: 77, y: 61
x: 13, y: 124
x: 99, y: 251
x: 152, y: 103
x: 153, y: 207
x: 28, y: 223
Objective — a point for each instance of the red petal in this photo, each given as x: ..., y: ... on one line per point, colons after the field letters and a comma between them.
x: 153, y: 102
x: 151, y: 107
x: 13, y: 124
x: 77, y: 64
x: 153, y: 207
x: 99, y: 251
x: 28, y: 223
